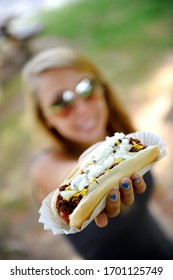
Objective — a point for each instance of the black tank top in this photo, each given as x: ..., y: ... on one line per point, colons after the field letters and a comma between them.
x: 132, y: 235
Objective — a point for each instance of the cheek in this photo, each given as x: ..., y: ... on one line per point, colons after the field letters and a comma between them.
x: 103, y: 109
x: 69, y: 127
x: 65, y: 126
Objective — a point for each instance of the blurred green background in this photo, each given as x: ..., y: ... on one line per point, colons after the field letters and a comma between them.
x: 128, y: 40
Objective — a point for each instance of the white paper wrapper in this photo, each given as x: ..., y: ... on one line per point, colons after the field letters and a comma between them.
x: 55, y: 225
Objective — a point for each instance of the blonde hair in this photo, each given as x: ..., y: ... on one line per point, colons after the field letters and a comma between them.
x: 59, y: 58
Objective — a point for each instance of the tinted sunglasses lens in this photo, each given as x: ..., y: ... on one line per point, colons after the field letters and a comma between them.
x: 66, y: 100
x: 85, y: 88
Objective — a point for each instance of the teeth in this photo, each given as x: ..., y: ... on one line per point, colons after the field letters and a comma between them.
x: 88, y: 124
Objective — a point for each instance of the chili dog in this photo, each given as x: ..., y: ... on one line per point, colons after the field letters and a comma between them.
x: 100, y: 171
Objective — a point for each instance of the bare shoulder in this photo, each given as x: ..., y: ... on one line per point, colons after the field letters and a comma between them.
x: 49, y: 164
x: 48, y: 170
x: 45, y: 161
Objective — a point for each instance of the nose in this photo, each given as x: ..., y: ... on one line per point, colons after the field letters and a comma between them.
x: 81, y: 106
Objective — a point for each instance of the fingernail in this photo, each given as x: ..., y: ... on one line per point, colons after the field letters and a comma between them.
x: 125, y: 185
x: 136, y: 180
x: 113, y: 197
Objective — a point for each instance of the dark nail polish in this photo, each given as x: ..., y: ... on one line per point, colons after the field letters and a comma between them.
x: 125, y: 185
x: 113, y: 197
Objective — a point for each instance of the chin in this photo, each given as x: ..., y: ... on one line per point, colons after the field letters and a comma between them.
x: 90, y: 139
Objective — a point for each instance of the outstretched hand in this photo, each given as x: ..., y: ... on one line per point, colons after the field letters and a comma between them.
x: 125, y: 194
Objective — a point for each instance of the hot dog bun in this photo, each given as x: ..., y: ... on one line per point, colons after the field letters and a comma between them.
x: 107, y: 180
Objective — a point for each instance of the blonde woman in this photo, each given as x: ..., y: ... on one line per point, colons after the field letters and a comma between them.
x: 73, y: 107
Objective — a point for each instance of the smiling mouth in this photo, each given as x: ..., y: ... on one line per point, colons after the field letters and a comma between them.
x: 88, y: 124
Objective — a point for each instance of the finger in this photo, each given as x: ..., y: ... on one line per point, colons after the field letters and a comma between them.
x: 138, y: 183
x: 127, y: 192
x: 113, y: 203
x: 101, y: 220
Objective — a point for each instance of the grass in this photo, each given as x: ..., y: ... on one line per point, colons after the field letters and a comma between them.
x: 139, y: 30
x: 107, y: 23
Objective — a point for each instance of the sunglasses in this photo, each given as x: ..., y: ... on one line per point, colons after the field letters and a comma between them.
x: 65, y: 101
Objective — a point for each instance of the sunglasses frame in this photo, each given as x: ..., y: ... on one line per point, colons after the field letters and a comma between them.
x: 69, y: 96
